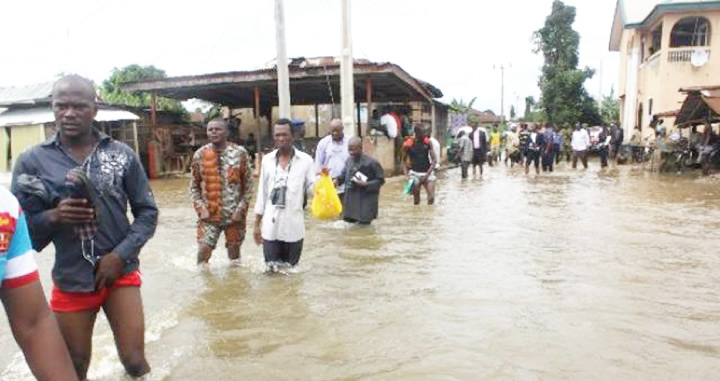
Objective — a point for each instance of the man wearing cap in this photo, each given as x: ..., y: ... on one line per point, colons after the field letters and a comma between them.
x: 298, y: 131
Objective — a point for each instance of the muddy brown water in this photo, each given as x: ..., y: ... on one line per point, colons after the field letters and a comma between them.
x: 577, y: 275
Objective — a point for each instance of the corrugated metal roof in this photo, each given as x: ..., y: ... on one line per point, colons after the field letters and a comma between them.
x: 26, y: 94
x: 41, y: 115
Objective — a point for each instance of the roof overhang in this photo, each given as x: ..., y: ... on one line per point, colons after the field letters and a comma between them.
x: 617, y: 28
x: 700, y: 105
x: 42, y: 115
x: 661, y: 9
x: 309, y: 85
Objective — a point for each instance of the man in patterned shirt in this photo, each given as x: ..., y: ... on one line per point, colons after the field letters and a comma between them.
x: 30, y: 319
x: 220, y: 189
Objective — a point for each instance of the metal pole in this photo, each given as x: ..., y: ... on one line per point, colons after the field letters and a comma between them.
x: 282, y: 64
x: 347, y: 91
x: 502, y: 93
x: 135, y: 138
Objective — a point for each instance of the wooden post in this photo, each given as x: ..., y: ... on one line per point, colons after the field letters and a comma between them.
x: 359, y: 126
x: 317, y: 121
x: 281, y: 61
x: 153, y: 109
x: 347, y: 91
x: 256, y: 95
x: 135, y: 138
x: 368, y: 98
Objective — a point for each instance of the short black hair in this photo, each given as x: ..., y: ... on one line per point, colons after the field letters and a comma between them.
x: 220, y: 121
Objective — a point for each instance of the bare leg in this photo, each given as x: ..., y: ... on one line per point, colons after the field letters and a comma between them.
x: 430, y: 189
x: 77, y: 330
x: 124, y: 311
x: 233, y: 253
x: 204, y: 253
x: 416, y: 194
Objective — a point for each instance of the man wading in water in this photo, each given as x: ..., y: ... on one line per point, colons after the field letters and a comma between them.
x: 286, y: 176
x: 419, y: 163
x: 220, y: 189
x: 363, y: 176
x: 75, y: 189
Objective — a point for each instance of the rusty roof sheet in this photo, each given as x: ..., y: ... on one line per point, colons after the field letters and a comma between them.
x: 30, y: 94
x: 312, y: 81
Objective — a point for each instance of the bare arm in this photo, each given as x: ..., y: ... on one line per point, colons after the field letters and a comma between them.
x: 37, y: 333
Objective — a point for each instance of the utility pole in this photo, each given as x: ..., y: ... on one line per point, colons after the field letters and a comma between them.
x: 347, y: 88
x: 281, y: 61
x: 502, y: 90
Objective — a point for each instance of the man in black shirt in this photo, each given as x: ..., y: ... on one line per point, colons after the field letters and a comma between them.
x: 418, y: 164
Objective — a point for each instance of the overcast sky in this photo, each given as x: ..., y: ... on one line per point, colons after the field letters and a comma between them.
x: 452, y: 44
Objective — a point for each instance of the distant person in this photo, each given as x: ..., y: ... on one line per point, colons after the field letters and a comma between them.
x: 363, y: 176
x: 418, y: 163
x: 31, y: 322
x: 75, y: 189
x: 548, y: 148
x: 523, y: 136
x: 464, y: 153
x: 535, y: 143
x: 617, y: 136
x: 557, y: 145
x: 287, y: 175
x: 580, y: 144
x: 512, y: 147
x: 298, y: 131
x: 604, y: 140
x: 221, y: 184
x: 495, y: 141
x: 436, y: 150
x: 251, y: 146
x: 479, y: 141
x: 332, y: 153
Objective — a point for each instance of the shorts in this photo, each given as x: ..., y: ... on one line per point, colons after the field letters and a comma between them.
x: 478, y: 156
x: 418, y: 175
x: 61, y: 301
x: 532, y: 156
x: 209, y: 233
x: 282, y: 252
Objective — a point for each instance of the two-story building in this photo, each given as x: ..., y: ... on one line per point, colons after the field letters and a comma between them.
x: 664, y: 46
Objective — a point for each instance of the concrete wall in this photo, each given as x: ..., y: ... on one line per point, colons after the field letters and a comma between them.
x: 383, y: 150
x: 659, y: 79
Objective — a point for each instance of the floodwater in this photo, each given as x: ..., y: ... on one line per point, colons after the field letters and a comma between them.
x: 576, y: 275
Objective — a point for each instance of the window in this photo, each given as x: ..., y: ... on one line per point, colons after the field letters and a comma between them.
x: 690, y: 31
x: 656, y: 40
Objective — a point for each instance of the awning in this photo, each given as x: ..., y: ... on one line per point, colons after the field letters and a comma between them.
x: 41, y: 115
x: 700, y: 105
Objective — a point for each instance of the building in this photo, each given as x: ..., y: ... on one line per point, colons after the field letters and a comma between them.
x: 27, y: 119
x: 664, y: 46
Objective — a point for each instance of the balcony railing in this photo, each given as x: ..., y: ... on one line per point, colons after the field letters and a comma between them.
x: 684, y: 54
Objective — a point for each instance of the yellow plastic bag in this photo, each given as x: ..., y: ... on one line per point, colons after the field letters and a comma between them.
x: 326, y: 203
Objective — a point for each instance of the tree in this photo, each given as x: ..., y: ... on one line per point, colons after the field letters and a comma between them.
x: 110, y: 90
x: 564, y: 100
x: 610, y: 109
x: 512, y: 112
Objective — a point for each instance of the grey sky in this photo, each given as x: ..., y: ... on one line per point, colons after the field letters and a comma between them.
x: 452, y: 44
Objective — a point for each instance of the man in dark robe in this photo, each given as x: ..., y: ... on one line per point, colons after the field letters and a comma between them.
x: 363, y: 176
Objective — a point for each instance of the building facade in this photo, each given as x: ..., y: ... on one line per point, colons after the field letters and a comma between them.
x: 663, y: 46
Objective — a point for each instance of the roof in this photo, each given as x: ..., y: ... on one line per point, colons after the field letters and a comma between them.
x: 42, y: 115
x: 633, y: 14
x: 30, y: 94
x: 312, y: 81
x: 701, y: 104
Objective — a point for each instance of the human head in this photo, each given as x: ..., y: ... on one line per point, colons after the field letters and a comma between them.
x: 355, y: 147
x: 577, y: 125
x: 282, y: 134
x: 74, y: 105
x: 661, y: 121
x: 336, y: 129
x: 531, y: 127
x: 218, y: 131
x: 298, y: 128
x: 461, y: 134
x: 420, y: 131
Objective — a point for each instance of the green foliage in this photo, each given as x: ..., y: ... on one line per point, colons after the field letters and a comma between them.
x: 610, y: 109
x: 532, y: 114
x: 110, y: 90
x: 460, y: 106
x: 564, y: 100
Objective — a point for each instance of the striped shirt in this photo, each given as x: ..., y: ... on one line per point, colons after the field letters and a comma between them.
x: 17, y: 260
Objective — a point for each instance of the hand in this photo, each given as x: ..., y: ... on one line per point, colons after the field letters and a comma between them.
x: 405, y: 170
x: 361, y: 183
x: 73, y: 211
x: 204, y: 214
x: 109, y: 268
x: 335, y: 183
x: 257, y: 235
x: 325, y: 171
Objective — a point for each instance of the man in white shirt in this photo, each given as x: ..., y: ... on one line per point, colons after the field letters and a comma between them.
x: 580, y: 143
x: 436, y: 148
x: 287, y: 175
x: 332, y: 153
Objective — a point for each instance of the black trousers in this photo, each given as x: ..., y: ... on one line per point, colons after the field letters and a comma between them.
x: 283, y: 252
x: 464, y: 169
